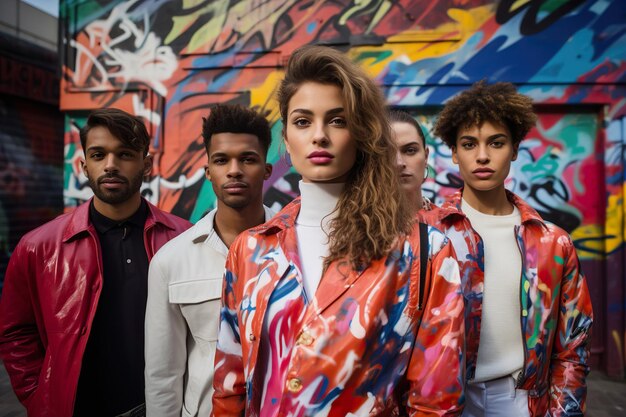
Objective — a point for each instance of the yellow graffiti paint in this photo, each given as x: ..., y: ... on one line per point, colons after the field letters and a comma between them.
x: 444, y: 40
x: 615, y: 228
x: 262, y: 96
x: 518, y: 4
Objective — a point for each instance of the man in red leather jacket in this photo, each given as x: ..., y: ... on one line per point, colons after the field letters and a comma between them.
x: 73, y: 303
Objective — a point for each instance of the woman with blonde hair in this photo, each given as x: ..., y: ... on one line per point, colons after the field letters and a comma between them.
x: 336, y: 306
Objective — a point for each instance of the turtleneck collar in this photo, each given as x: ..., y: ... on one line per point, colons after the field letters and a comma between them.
x: 318, y: 200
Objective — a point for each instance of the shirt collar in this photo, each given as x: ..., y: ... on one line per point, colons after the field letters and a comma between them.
x: 452, y: 207
x: 204, y: 230
x: 103, y: 224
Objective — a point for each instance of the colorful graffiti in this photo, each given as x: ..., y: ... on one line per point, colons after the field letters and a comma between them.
x: 170, y: 61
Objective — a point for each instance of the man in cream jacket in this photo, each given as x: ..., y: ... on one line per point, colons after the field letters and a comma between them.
x: 185, y: 277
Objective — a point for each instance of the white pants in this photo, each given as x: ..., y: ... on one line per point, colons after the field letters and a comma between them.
x: 495, y: 398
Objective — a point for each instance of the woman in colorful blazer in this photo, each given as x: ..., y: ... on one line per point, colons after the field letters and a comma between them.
x: 337, y: 306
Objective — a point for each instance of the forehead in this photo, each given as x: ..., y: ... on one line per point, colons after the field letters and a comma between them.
x: 405, y: 133
x: 101, y: 137
x: 316, y: 97
x: 234, y: 143
x: 484, y: 130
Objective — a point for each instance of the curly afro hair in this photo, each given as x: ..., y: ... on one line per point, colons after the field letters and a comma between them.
x: 499, y: 103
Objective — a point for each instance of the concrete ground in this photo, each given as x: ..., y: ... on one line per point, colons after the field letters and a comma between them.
x: 606, y: 398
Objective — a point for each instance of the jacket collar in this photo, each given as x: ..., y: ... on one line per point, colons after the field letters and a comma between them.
x: 452, y: 207
x: 205, y: 227
x: 285, y: 219
x: 79, y: 220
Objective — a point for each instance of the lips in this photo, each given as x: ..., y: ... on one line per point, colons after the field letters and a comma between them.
x: 112, y: 183
x: 405, y: 176
x: 235, y: 187
x: 320, y: 157
x: 483, y: 173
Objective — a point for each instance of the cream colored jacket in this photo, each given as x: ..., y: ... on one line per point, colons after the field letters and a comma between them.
x: 182, y: 318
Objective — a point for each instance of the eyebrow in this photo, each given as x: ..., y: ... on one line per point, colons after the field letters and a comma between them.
x: 245, y: 153
x: 308, y: 112
x: 101, y: 148
x: 492, y: 137
x: 415, y: 142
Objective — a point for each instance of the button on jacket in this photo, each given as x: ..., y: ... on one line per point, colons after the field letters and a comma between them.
x: 49, y: 299
x: 365, y: 346
x: 182, y: 317
x: 556, y: 314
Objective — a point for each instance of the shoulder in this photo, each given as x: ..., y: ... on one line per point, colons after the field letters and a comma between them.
x: 550, y: 232
x: 176, y: 248
x: 436, y: 239
x: 48, y: 233
x: 169, y: 220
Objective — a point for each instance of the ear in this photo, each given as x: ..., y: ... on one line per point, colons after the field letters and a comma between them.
x: 147, y: 165
x: 268, y: 171
x: 426, y: 153
x: 83, y: 166
x: 287, y: 147
x: 207, y: 172
x: 455, y: 157
x: 515, y: 151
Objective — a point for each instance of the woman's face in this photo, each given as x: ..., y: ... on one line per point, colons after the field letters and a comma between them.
x: 316, y: 134
x: 411, y: 158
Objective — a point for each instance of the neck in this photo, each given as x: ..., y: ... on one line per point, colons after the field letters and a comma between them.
x: 318, y: 201
x: 415, y: 200
x: 118, y: 212
x: 493, y: 202
x: 229, y: 222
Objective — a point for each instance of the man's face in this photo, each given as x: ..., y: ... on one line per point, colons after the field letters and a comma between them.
x: 237, y: 169
x: 114, y: 170
x: 484, y: 155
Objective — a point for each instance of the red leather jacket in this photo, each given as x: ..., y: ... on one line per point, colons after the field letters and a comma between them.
x: 49, y: 299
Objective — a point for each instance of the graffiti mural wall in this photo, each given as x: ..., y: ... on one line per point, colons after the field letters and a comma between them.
x: 169, y: 61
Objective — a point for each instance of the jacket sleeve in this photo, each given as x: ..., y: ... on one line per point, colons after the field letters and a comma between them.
x: 436, y: 371
x: 165, y: 346
x: 21, y: 347
x: 569, y: 364
x: 229, y: 381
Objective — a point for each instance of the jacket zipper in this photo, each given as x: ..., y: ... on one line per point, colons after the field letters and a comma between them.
x: 521, y: 375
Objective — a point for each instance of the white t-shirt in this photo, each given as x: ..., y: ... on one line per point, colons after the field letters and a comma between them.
x: 501, y: 349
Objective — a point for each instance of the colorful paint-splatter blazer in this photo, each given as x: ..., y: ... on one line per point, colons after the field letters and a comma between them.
x: 364, y: 346
x: 556, y: 314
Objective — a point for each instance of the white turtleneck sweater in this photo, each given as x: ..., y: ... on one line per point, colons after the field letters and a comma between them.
x: 501, y: 348
x: 312, y: 226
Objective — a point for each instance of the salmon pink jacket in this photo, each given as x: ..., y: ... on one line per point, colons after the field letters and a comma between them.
x: 49, y: 300
x: 365, y: 345
x: 556, y: 314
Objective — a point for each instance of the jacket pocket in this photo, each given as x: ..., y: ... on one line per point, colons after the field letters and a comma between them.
x: 199, y: 301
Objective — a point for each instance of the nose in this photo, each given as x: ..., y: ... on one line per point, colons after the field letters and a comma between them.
x: 482, y: 156
x: 234, y: 169
x: 110, y: 163
x: 400, y: 161
x: 320, y: 136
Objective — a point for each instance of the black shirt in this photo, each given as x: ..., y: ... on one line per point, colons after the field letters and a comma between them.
x: 112, y: 373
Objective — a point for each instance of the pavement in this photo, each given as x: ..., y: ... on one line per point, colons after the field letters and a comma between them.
x: 605, y: 398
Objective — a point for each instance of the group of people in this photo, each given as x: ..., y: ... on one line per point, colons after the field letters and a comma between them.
x: 359, y: 298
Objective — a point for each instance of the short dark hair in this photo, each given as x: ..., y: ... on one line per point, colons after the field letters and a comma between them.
x: 500, y: 103
x: 234, y: 118
x: 400, y: 116
x: 126, y: 127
